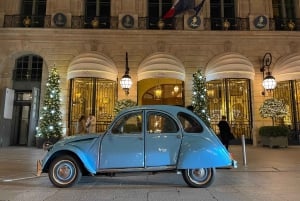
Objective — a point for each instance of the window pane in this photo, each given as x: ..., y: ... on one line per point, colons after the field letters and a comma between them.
x: 189, y: 123
x: 283, y: 92
x: 129, y: 124
x: 28, y: 68
x: 161, y: 123
x: 27, y: 7
x: 102, y: 12
x: 154, y: 12
x: 39, y: 9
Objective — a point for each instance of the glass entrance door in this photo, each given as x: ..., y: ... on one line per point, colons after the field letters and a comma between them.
x: 231, y: 97
x: 92, y: 96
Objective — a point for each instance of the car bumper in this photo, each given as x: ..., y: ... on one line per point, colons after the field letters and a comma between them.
x: 234, y: 164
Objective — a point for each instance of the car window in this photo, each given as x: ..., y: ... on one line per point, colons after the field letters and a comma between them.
x: 160, y: 123
x: 189, y: 123
x: 128, y: 124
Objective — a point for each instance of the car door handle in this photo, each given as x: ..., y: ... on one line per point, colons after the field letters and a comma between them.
x: 140, y: 138
x: 179, y: 136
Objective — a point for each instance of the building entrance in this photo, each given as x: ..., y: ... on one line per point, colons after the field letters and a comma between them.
x: 92, y: 96
x: 25, y: 117
x: 21, y: 123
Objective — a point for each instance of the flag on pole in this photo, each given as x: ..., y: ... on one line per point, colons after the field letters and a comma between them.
x: 198, y: 8
x: 180, y: 6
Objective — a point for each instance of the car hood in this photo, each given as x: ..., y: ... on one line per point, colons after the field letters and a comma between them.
x: 79, y: 138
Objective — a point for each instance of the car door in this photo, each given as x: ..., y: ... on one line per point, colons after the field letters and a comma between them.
x: 123, y: 145
x: 162, y: 139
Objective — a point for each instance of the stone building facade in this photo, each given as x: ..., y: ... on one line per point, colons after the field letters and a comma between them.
x: 91, y: 60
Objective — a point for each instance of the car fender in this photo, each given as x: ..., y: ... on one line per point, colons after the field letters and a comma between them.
x: 202, y: 152
x: 86, y: 158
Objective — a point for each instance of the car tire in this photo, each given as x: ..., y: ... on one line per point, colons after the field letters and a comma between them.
x: 199, y: 178
x: 64, y: 171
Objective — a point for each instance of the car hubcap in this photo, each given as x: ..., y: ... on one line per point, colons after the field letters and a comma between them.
x: 198, y: 175
x: 65, y: 171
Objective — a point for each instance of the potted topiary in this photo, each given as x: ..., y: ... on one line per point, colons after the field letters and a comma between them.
x: 274, y: 136
x: 123, y: 104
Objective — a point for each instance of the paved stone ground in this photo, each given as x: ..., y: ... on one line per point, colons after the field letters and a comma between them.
x: 269, y: 175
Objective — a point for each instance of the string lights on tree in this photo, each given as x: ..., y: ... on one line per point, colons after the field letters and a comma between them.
x: 50, y: 123
x: 199, y: 97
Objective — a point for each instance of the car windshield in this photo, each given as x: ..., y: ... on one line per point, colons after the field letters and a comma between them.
x: 189, y: 123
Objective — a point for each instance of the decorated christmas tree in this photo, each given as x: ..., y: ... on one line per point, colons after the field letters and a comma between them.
x: 199, y: 97
x: 50, y: 123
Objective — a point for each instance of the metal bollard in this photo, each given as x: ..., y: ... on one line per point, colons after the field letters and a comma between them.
x: 244, y: 150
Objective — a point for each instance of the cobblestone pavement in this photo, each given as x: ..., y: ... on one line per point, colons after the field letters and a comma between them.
x: 268, y: 175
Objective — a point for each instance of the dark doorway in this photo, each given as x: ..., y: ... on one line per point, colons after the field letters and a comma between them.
x: 25, y: 115
x: 21, y: 121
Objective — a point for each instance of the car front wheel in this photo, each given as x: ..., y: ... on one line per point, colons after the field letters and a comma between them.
x: 199, y: 178
x: 64, y: 171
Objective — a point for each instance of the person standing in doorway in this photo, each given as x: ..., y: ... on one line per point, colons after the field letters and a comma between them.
x: 80, y: 129
x: 225, y: 131
x: 91, y: 124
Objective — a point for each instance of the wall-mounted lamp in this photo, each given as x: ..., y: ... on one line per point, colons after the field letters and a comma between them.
x: 126, y: 81
x: 176, y: 88
x: 157, y: 93
x: 269, y: 82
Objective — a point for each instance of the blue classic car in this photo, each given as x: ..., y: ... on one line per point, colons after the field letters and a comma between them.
x: 141, y: 139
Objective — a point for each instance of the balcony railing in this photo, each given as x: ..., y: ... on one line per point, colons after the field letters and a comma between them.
x: 24, y: 21
x: 84, y: 22
x: 240, y: 24
x: 286, y: 24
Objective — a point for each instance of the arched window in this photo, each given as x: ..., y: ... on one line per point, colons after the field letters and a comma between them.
x: 222, y: 14
x: 97, y: 10
x: 28, y: 68
x: 161, y: 91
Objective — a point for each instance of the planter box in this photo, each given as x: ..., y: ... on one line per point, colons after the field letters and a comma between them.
x: 39, y: 141
x: 280, y: 141
x: 43, y: 143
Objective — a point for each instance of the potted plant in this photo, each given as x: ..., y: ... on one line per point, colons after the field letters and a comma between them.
x: 122, y: 104
x: 274, y: 136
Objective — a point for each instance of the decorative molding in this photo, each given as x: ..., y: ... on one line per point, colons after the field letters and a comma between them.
x: 161, y: 46
x: 94, y: 45
x: 227, y: 46
x: 259, y: 22
x: 293, y: 46
x: 128, y: 21
x: 60, y: 19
